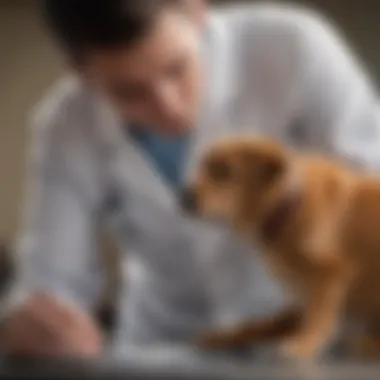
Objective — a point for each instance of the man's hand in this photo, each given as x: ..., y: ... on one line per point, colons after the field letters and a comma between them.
x: 43, y: 326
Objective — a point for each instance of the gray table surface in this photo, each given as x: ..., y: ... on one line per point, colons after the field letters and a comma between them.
x: 167, y: 363
x: 187, y: 363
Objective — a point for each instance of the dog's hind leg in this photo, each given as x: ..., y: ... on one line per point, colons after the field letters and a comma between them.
x: 366, y: 345
x: 324, y: 297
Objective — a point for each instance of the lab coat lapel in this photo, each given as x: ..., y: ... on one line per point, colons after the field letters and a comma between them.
x: 128, y: 166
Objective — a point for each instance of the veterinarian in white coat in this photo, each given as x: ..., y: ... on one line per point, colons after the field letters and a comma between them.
x: 278, y: 71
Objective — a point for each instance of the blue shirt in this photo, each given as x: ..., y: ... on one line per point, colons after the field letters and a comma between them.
x: 167, y: 153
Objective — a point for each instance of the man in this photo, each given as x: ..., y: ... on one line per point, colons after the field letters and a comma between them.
x: 153, y: 82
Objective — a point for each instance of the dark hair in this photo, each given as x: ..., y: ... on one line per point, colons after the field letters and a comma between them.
x: 82, y: 24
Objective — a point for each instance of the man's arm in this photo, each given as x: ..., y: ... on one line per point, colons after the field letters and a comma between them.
x: 339, y: 104
x: 59, y: 276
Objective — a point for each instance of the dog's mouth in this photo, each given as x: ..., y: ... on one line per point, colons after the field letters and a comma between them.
x: 189, y: 204
x: 188, y: 201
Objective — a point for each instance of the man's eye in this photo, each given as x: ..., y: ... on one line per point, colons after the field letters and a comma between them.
x: 220, y: 171
x: 129, y: 93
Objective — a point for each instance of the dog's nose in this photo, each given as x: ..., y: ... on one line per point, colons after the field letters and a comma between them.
x: 188, y: 200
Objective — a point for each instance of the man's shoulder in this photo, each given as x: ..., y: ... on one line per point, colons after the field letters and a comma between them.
x: 61, y: 101
x: 274, y: 24
x: 63, y: 114
x: 273, y: 15
x: 61, y: 127
x: 298, y: 35
x: 62, y: 134
x: 281, y: 41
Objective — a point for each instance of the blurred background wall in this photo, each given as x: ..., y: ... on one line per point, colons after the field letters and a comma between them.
x: 29, y: 64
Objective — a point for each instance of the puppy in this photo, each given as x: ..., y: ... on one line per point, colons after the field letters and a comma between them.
x: 317, y: 223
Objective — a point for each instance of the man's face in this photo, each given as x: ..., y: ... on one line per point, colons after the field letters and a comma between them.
x: 157, y: 81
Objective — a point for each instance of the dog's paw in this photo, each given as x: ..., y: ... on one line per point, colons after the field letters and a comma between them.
x: 298, y: 348
x: 364, y: 347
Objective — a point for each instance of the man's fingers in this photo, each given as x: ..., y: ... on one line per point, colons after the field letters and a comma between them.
x: 43, y: 326
x: 63, y: 314
x: 44, y: 319
x: 75, y: 330
x: 23, y: 334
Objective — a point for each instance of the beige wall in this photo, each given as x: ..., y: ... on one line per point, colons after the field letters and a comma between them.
x: 28, y: 64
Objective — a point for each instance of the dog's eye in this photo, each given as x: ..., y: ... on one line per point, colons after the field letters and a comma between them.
x: 220, y: 171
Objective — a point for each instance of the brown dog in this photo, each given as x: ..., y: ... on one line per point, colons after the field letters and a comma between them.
x: 318, y: 224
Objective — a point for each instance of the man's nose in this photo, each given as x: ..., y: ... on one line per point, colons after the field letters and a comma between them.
x: 188, y: 200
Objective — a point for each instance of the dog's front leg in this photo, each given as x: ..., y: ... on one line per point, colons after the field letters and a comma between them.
x: 254, y: 331
x: 323, y: 300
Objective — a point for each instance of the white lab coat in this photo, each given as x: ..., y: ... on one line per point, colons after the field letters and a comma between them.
x: 275, y: 70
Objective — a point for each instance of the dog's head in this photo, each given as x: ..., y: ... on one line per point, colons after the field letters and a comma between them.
x: 236, y: 179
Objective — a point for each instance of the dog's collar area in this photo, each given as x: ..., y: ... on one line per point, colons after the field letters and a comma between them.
x: 278, y: 218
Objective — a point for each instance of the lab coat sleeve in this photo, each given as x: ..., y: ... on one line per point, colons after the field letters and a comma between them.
x: 57, y: 251
x: 338, y: 100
